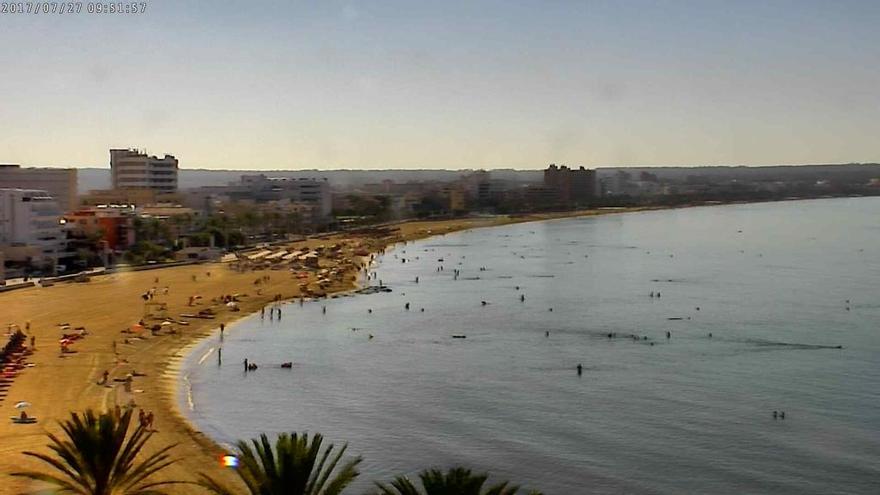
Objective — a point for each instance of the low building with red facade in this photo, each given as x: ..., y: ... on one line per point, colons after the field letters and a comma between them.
x: 113, y: 225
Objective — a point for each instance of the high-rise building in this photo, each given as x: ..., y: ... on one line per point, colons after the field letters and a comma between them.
x: 134, y: 169
x: 572, y: 186
x: 60, y: 183
x: 30, y: 227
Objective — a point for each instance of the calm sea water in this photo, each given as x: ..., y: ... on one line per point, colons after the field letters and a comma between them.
x: 688, y: 414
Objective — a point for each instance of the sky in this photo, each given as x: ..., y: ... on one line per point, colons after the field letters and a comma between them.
x: 450, y: 84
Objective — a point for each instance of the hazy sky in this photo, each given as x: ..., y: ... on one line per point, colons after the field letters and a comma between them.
x: 446, y: 84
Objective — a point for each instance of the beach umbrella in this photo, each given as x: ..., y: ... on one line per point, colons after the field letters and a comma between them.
x: 22, y: 405
x: 166, y: 323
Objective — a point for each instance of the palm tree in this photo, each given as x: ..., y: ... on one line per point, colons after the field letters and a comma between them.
x: 291, y: 468
x: 98, y: 457
x: 457, y: 481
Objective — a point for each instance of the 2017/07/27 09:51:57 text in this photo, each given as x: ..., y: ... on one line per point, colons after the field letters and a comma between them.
x: 62, y: 8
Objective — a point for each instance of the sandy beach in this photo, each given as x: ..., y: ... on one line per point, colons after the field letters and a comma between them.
x: 58, y: 383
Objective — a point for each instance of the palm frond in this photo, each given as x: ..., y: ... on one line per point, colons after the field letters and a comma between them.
x: 97, y: 456
x: 457, y: 481
x: 295, y: 465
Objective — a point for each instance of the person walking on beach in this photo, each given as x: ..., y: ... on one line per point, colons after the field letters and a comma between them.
x: 222, y: 328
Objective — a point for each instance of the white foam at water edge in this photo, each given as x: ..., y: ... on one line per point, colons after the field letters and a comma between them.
x: 205, y: 355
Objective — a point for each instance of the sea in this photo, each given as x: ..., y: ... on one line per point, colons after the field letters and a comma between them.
x: 691, y: 326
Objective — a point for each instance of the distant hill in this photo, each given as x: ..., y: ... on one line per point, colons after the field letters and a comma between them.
x: 99, y: 178
x: 846, y: 173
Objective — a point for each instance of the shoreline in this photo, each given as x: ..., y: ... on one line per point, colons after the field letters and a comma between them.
x: 175, y: 369
x: 61, y: 383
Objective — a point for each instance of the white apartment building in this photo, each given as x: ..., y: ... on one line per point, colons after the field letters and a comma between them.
x: 60, y: 183
x: 134, y: 169
x: 30, y: 227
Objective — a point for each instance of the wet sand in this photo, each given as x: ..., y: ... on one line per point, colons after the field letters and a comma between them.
x: 60, y: 383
